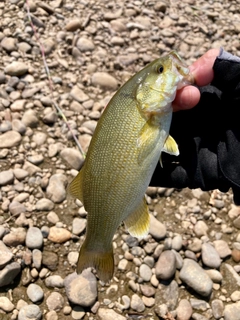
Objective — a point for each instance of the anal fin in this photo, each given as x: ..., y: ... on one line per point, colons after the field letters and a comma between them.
x: 138, y: 222
x: 75, y: 188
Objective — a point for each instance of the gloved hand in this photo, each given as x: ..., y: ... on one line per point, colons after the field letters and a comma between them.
x: 208, y: 136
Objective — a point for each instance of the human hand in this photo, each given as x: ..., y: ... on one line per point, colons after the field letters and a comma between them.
x: 202, y: 72
x: 208, y: 135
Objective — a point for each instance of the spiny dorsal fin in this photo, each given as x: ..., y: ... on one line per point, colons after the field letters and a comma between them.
x: 138, y: 221
x: 75, y: 188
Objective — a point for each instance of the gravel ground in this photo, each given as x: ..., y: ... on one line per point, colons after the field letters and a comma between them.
x: 188, y: 266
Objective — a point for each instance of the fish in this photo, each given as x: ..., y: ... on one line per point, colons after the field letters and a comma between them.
x: 125, y: 148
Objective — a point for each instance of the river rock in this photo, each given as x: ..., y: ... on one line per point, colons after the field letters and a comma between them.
x: 6, y: 177
x: 10, y: 139
x: 56, y: 189
x: 81, y: 289
x: 31, y: 311
x: 210, y: 256
x: 157, y: 229
x: 16, y: 68
x: 34, y: 238
x: 73, y: 157
x: 35, y: 292
x: 166, y: 265
x: 55, y: 301
x: 196, y: 278
x: 9, y: 273
x: 6, y: 305
x: 5, y: 255
x: 104, y: 80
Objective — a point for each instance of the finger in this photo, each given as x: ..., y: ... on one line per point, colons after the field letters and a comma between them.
x: 202, y: 69
x: 186, y: 98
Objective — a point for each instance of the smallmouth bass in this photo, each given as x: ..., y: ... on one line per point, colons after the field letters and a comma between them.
x: 128, y: 141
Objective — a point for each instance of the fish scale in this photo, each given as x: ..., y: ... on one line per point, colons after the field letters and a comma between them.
x: 127, y: 143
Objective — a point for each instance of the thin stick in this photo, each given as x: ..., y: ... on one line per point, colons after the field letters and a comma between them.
x: 50, y: 79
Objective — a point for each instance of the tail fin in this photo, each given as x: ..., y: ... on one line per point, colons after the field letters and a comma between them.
x: 103, y: 262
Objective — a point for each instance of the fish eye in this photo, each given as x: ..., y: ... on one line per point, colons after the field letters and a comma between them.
x: 160, y: 69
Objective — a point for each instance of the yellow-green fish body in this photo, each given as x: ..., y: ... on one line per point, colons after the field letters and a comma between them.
x: 125, y: 148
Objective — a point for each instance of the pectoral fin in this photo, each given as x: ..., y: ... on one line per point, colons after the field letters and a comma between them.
x: 170, y: 147
x: 146, y: 143
x: 75, y: 188
x: 138, y: 222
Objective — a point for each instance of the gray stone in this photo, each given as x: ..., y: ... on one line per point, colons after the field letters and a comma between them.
x: 210, y: 256
x: 37, y: 258
x: 166, y: 265
x: 84, y: 44
x: 5, y: 126
x: 137, y: 303
x: 78, y: 225
x: 5, y: 255
x: 20, y: 174
x: 31, y: 168
x: 56, y: 189
x: 36, y: 159
x: 217, y: 308
x: 39, y: 138
x: 6, y: 305
x: 108, y: 314
x: 214, y: 275
x: 16, y: 208
x: 157, y: 229
x: 52, y: 217
x: 222, y: 248
x: 73, y: 25
x: 55, y: 301
x: 232, y: 311
x: 6, y: 177
x: 9, y: 44
x: 81, y: 289
x: 30, y: 119
x: 50, y: 260
x: 44, y: 204
x: 9, y: 273
x: 199, y: 305
x: 34, y: 238
x: 18, y: 105
x: 10, y: 139
x: 177, y: 242
x: 15, y: 237
x: 16, y: 68
x: 196, y: 278
x: 35, y: 292
x: 31, y: 311
x: 104, y: 80
x: 54, y: 281
x: 73, y: 157
x: 184, y: 310
x: 145, y: 272
x: 78, y: 94
x: 200, y: 228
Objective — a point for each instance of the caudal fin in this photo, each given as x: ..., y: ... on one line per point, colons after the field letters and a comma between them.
x: 103, y: 262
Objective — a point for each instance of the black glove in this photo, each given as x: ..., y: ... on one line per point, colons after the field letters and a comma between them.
x: 208, y: 136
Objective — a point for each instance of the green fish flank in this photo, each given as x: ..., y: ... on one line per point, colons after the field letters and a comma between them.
x: 128, y: 141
